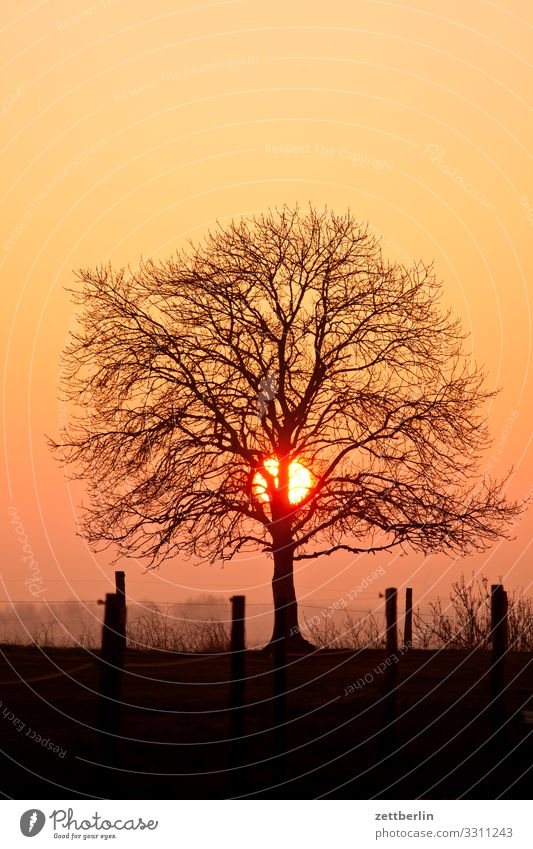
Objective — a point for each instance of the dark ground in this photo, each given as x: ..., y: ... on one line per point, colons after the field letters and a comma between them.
x: 176, y: 727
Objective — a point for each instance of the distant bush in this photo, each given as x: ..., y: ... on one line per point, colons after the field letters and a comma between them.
x: 48, y: 635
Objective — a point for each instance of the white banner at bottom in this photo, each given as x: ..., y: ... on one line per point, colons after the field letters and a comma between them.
x: 229, y: 824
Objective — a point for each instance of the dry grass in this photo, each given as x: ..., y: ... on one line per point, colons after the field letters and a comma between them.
x: 157, y: 630
x: 462, y: 623
x: 154, y: 629
x: 351, y: 633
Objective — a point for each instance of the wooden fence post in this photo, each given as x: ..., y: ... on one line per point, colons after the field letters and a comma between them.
x: 120, y: 583
x: 498, y: 612
x: 408, y: 624
x: 391, y: 669
x: 280, y: 693
x: 112, y: 664
x: 237, y: 692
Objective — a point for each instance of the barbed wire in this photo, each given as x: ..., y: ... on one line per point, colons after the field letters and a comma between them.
x: 185, y: 604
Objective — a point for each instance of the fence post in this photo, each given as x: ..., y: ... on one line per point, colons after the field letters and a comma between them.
x: 120, y: 584
x: 498, y: 615
x: 408, y: 624
x: 112, y: 664
x: 391, y: 669
x: 280, y: 692
x: 237, y: 686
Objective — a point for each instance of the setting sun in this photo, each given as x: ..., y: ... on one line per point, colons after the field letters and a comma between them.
x: 299, y: 481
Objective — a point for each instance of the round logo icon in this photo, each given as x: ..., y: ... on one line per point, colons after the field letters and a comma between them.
x: 32, y: 822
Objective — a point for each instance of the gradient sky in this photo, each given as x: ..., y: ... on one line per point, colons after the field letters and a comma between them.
x: 128, y: 127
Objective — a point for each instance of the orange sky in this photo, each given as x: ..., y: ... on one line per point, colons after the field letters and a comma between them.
x: 128, y: 127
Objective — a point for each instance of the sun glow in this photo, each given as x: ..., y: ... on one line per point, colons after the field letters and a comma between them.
x: 299, y: 481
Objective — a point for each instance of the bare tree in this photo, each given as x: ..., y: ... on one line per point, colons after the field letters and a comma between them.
x: 369, y: 389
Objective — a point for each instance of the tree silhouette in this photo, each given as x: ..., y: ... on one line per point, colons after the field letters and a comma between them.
x: 283, y: 338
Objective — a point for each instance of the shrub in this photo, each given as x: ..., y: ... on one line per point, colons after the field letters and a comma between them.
x: 465, y: 623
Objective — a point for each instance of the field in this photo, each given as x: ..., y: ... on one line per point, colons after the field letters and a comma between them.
x: 175, y: 727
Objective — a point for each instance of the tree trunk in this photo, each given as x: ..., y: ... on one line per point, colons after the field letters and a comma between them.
x: 285, y: 604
